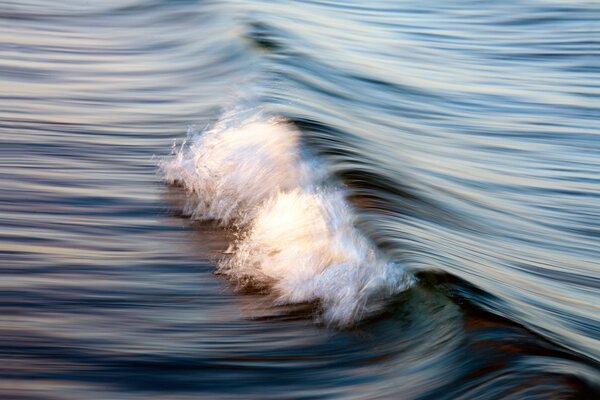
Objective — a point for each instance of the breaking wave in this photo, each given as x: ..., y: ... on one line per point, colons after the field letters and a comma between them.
x: 297, y: 235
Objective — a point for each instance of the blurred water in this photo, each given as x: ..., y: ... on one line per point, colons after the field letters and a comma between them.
x: 467, y: 134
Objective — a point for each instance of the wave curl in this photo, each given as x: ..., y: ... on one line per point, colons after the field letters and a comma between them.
x: 297, y: 231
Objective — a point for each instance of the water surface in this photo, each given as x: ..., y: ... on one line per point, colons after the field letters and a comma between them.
x: 465, y: 136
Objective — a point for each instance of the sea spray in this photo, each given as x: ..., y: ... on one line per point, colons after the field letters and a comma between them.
x: 297, y: 235
x: 230, y: 171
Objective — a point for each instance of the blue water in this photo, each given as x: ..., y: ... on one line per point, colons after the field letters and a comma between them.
x: 454, y: 145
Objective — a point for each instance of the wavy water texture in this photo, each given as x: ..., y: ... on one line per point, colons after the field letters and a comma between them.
x: 467, y: 135
x: 297, y: 230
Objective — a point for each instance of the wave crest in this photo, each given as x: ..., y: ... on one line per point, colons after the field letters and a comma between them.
x: 298, y: 237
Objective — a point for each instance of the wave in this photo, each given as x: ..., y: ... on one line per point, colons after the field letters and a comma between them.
x: 297, y: 235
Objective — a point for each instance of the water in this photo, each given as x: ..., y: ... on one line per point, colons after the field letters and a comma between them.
x: 401, y: 200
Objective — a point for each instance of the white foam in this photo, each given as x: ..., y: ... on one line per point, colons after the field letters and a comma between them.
x: 231, y: 170
x: 297, y: 233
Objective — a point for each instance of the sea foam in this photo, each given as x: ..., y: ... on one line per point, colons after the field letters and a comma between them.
x: 297, y: 234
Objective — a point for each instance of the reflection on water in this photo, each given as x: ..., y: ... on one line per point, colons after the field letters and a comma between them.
x: 466, y: 132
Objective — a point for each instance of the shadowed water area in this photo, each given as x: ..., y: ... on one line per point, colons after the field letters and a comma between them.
x: 465, y: 136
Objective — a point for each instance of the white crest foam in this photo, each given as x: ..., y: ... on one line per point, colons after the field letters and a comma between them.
x: 298, y: 235
x: 230, y: 171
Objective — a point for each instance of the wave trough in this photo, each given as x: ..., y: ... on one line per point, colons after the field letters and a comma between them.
x: 296, y: 231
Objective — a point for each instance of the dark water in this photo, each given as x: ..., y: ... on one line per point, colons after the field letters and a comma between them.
x: 467, y: 134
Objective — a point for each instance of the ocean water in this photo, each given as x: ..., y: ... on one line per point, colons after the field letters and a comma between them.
x: 299, y: 199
